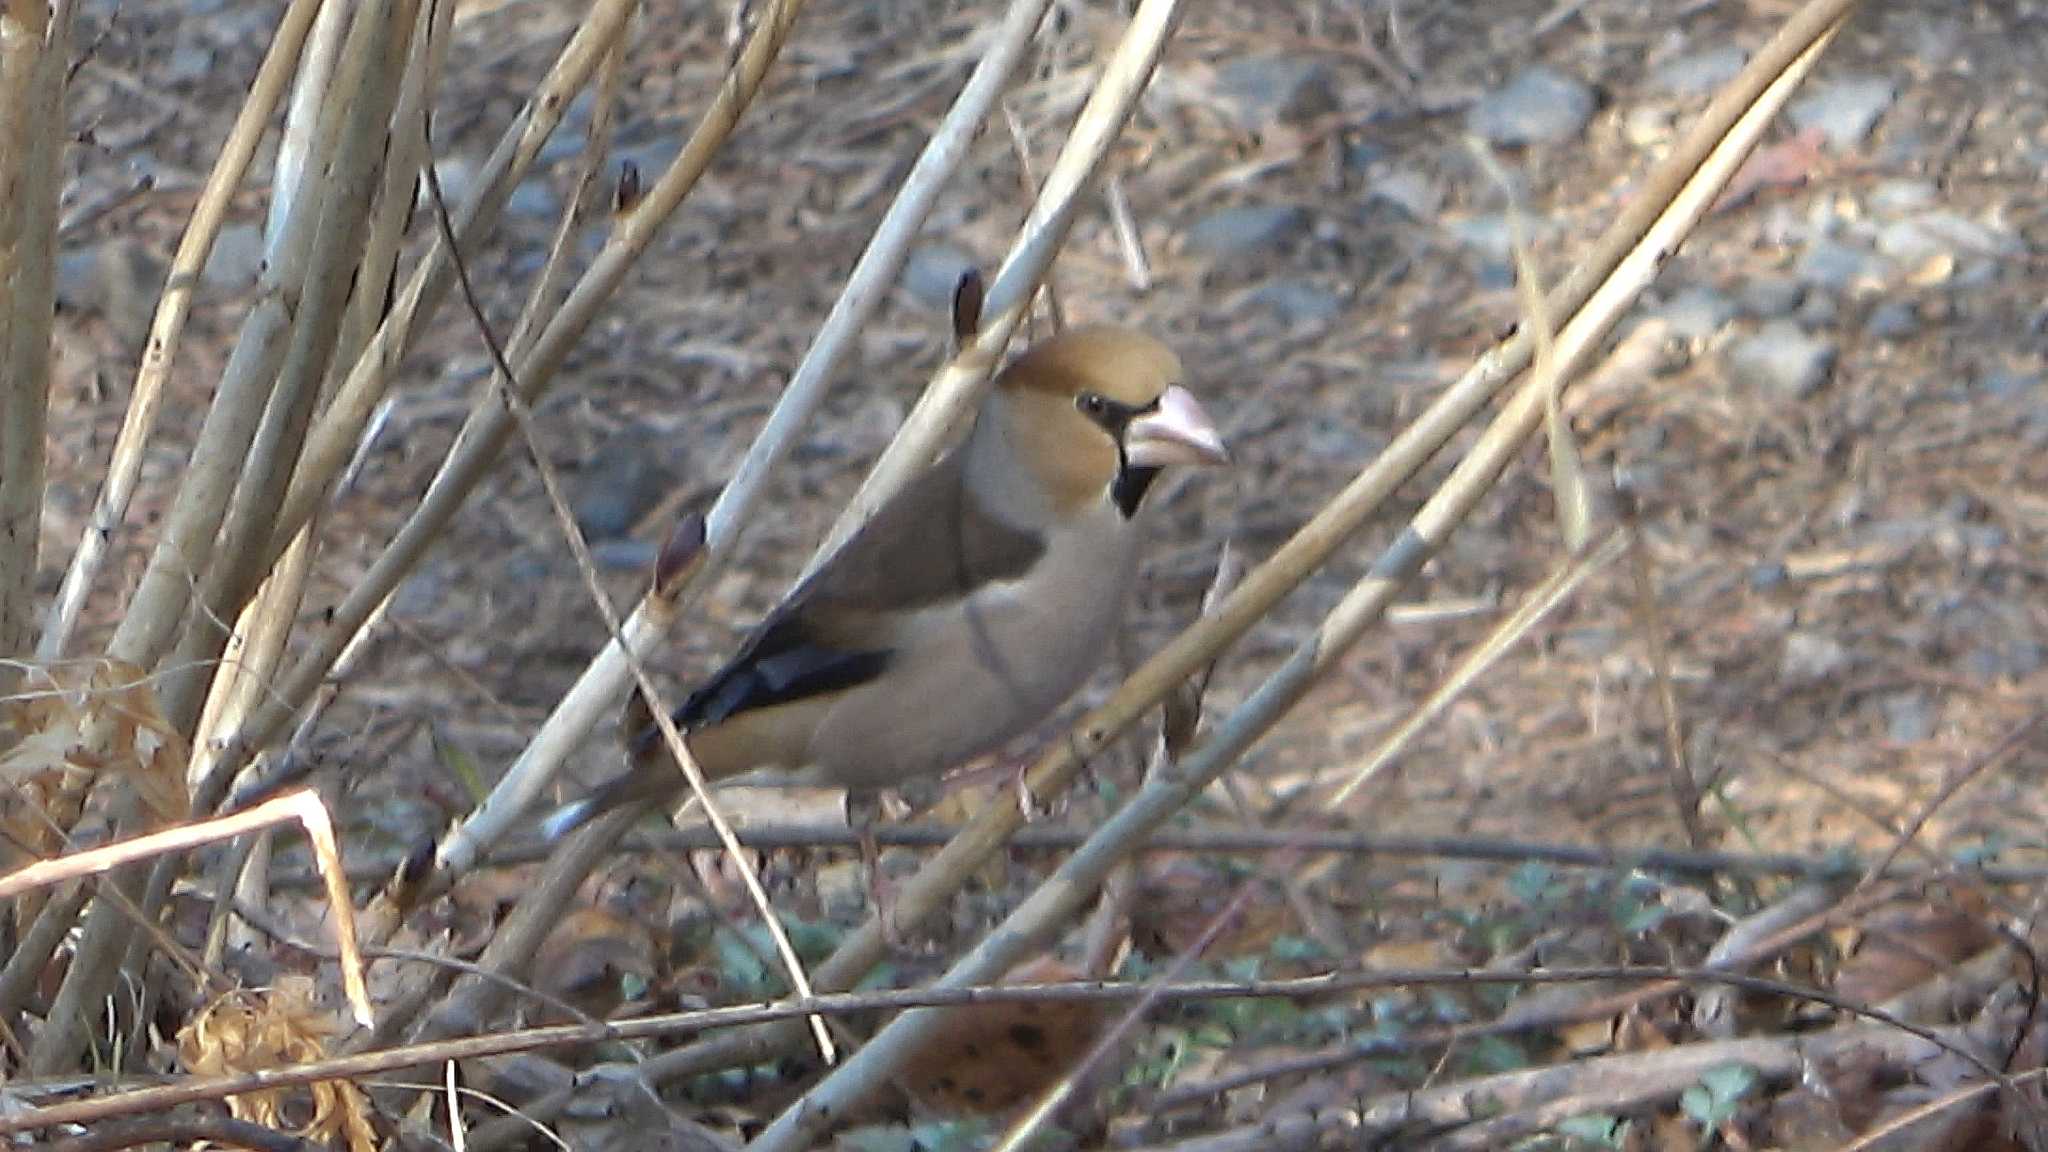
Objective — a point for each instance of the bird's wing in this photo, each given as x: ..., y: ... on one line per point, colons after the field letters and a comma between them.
x: 930, y: 546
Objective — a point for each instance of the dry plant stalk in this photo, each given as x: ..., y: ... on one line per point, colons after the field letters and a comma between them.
x: 303, y: 806
x: 35, y: 52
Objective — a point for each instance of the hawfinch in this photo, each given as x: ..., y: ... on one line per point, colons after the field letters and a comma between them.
x: 970, y: 606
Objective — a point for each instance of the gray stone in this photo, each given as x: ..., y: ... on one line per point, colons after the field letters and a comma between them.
x: 1892, y: 320
x: 1839, y: 267
x: 1810, y: 657
x: 1818, y: 311
x: 620, y: 486
x: 1297, y: 301
x: 1908, y: 717
x: 1486, y: 235
x: 1263, y: 90
x: 78, y: 278
x: 1897, y: 197
x: 2013, y: 658
x: 1783, y: 358
x: 623, y: 555
x: 533, y: 199
x: 1247, y: 229
x: 2001, y: 384
x: 188, y: 62
x: 1698, y: 73
x: 237, y: 258
x: 1410, y: 190
x: 1844, y: 108
x: 1918, y: 239
x: 1772, y: 296
x: 932, y: 274
x: 1539, y: 106
x: 1696, y: 312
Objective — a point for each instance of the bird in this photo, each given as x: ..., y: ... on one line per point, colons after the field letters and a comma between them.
x: 969, y: 607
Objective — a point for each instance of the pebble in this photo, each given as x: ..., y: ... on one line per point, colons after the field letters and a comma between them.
x: 236, y: 259
x: 1839, y: 267
x: 1539, y: 106
x: 1699, y: 73
x: 1297, y: 301
x: 1409, y: 190
x: 1783, y: 358
x: 1892, y: 320
x: 1908, y: 717
x: 620, y: 485
x: 1769, y: 296
x: 1844, y: 108
x: 1810, y: 657
x: 932, y: 274
x: 1897, y: 197
x: 1264, y: 90
x: 1696, y: 312
x: 1486, y: 235
x: 1247, y: 229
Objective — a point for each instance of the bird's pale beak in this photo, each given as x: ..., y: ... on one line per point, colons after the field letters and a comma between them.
x: 1177, y: 431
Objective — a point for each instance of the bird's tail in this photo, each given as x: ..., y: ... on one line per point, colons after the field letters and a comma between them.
x: 637, y: 784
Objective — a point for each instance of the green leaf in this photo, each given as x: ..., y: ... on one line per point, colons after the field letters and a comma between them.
x: 1530, y: 883
x: 1730, y: 1083
x: 1595, y: 1128
x: 459, y: 763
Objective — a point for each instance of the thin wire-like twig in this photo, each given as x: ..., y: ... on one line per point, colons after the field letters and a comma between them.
x: 512, y: 396
x: 193, y: 1090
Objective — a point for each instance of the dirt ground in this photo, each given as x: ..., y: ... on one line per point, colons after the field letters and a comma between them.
x: 1832, y: 410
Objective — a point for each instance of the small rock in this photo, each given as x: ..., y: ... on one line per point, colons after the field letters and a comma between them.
x: 1818, y: 312
x: 188, y: 62
x: 533, y: 199
x: 1845, y: 109
x: 1918, y: 239
x: 1892, y: 320
x: 1246, y: 229
x: 623, y: 555
x: 1697, y: 312
x: 1908, y: 717
x: 1361, y: 152
x: 1897, y: 197
x: 2001, y: 384
x: 1810, y: 657
x: 1839, y: 267
x: 78, y: 278
x: 237, y: 258
x: 1539, y: 106
x: 932, y: 274
x: 1264, y: 90
x: 1771, y: 296
x: 1486, y: 235
x: 623, y: 484
x: 1698, y: 73
x: 1409, y: 190
x: 2014, y: 658
x: 1297, y: 301
x: 1647, y: 126
x: 1782, y: 358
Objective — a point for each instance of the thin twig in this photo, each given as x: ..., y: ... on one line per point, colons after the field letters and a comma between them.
x: 511, y: 394
x: 1314, y: 988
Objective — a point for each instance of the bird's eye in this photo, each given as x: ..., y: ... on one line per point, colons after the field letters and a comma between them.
x: 1092, y: 404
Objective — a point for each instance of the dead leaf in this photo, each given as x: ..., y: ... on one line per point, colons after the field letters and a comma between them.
x: 249, y: 1030
x: 993, y: 1057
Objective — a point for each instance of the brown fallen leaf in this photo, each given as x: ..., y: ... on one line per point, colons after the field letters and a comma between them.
x: 993, y: 1057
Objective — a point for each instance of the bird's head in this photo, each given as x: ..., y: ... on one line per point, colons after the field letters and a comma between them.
x: 1102, y: 407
